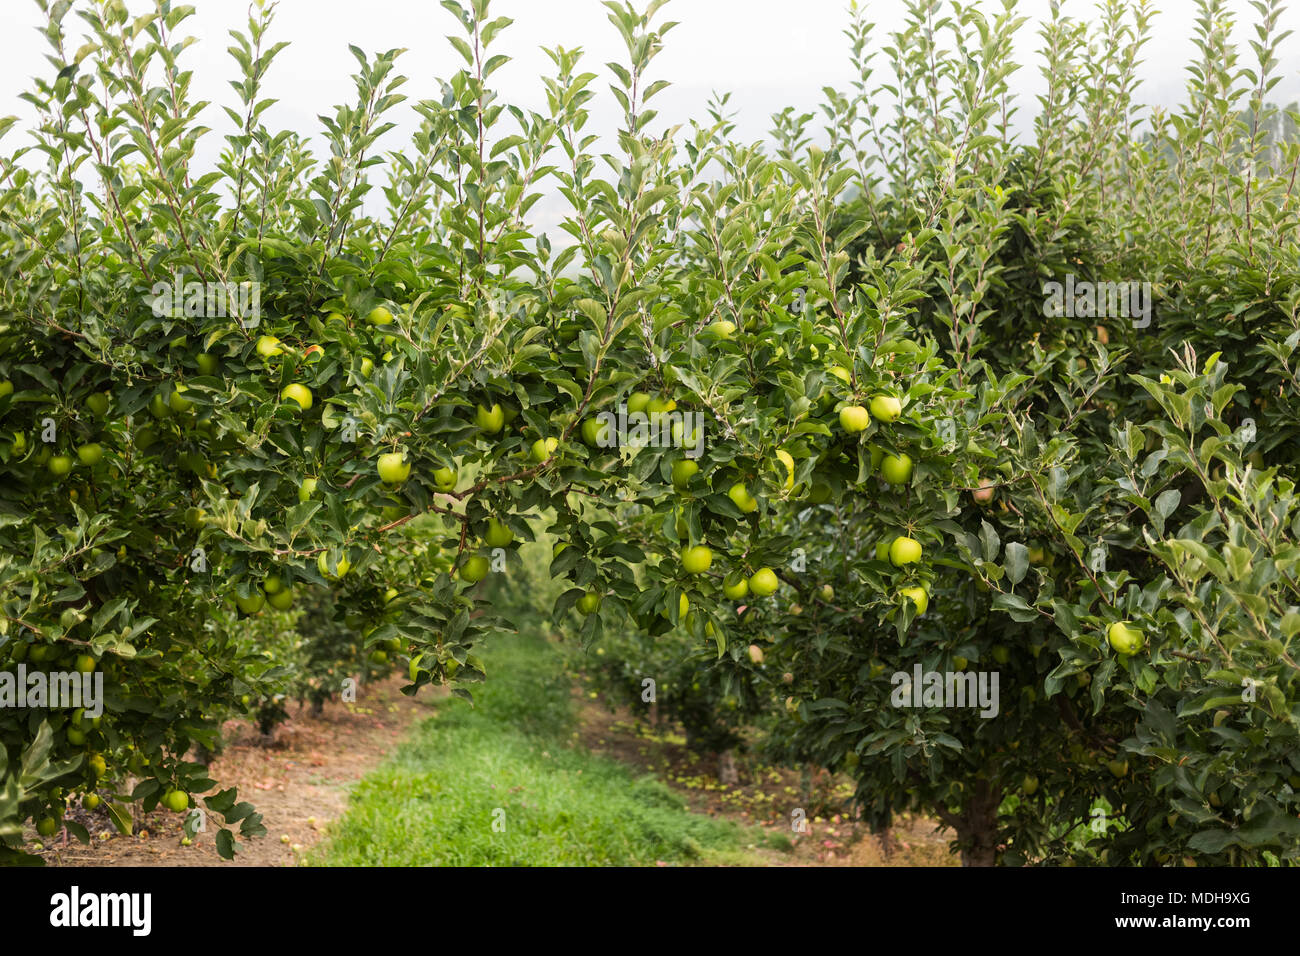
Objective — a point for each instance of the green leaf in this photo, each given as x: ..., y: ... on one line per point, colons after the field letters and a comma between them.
x: 1016, y: 562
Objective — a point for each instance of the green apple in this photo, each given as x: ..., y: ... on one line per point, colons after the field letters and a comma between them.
x: 886, y: 408
x: 60, y: 465
x: 444, y: 479
x: 683, y: 471
x: 1119, y: 767
x: 85, y: 664
x: 589, y: 603
x: 489, y: 421
x: 681, y: 439
x: 298, y: 393
x: 379, y: 315
x: 741, y: 497
x: 178, y: 402
x: 854, y: 418
x: 207, y: 363
x: 735, y: 586
x: 904, y: 550
x: 1029, y: 786
x: 498, y: 535
x: 658, y: 406
x: 843, y: 374
x: 281, y: 600
x: 194, y: 518
x: 90, y: 455
x: 896, y: 469
x: 1124, y: 639
x: 158, y: 407
x: 827, y: 593
x: 918, y: 597
x: 251, y: 604
x: 785, y: 458
x: 543, y: 449
x: 723, y: 329
x: 763, y: 582
x: 269, y: 346
x: 637, y: 402
x: 341, y: 569
x: 307, y: 489
x: 1001, y: 653
x: 393, y: 468
x: 176, y: 800
x: 697, y: 560
x: 97, y: 404
x: 593, y: 431
x: 474, y: 569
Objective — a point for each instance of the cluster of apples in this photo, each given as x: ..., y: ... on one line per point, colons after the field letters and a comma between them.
x: 697, y: 559
x: 855, y: 418
x: 896, y: 470
x: 276, y: 593
x: 89, y: 454
x: 268, y: 347
x: 61, y: 465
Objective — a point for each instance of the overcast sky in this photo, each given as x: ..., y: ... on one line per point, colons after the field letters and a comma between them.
x: 767, y: 53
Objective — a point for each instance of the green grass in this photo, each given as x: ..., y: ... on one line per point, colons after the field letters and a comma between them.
x: 434, y: 802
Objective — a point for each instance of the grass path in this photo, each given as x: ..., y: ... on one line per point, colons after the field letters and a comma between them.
x: 502, y: 784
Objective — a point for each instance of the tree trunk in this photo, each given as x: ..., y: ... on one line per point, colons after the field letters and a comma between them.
x: 887, y: 842
x: 978, y: 829
x: 727, y: 768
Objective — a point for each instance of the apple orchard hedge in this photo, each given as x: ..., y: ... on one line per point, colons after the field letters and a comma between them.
x: 195, y: 503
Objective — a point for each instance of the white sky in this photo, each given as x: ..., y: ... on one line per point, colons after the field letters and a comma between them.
x: 768, y: 53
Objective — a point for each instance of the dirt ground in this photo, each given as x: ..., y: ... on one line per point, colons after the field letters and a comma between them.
x: 301, y: 781
x: 298, y: 783
x: 765, y: 796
